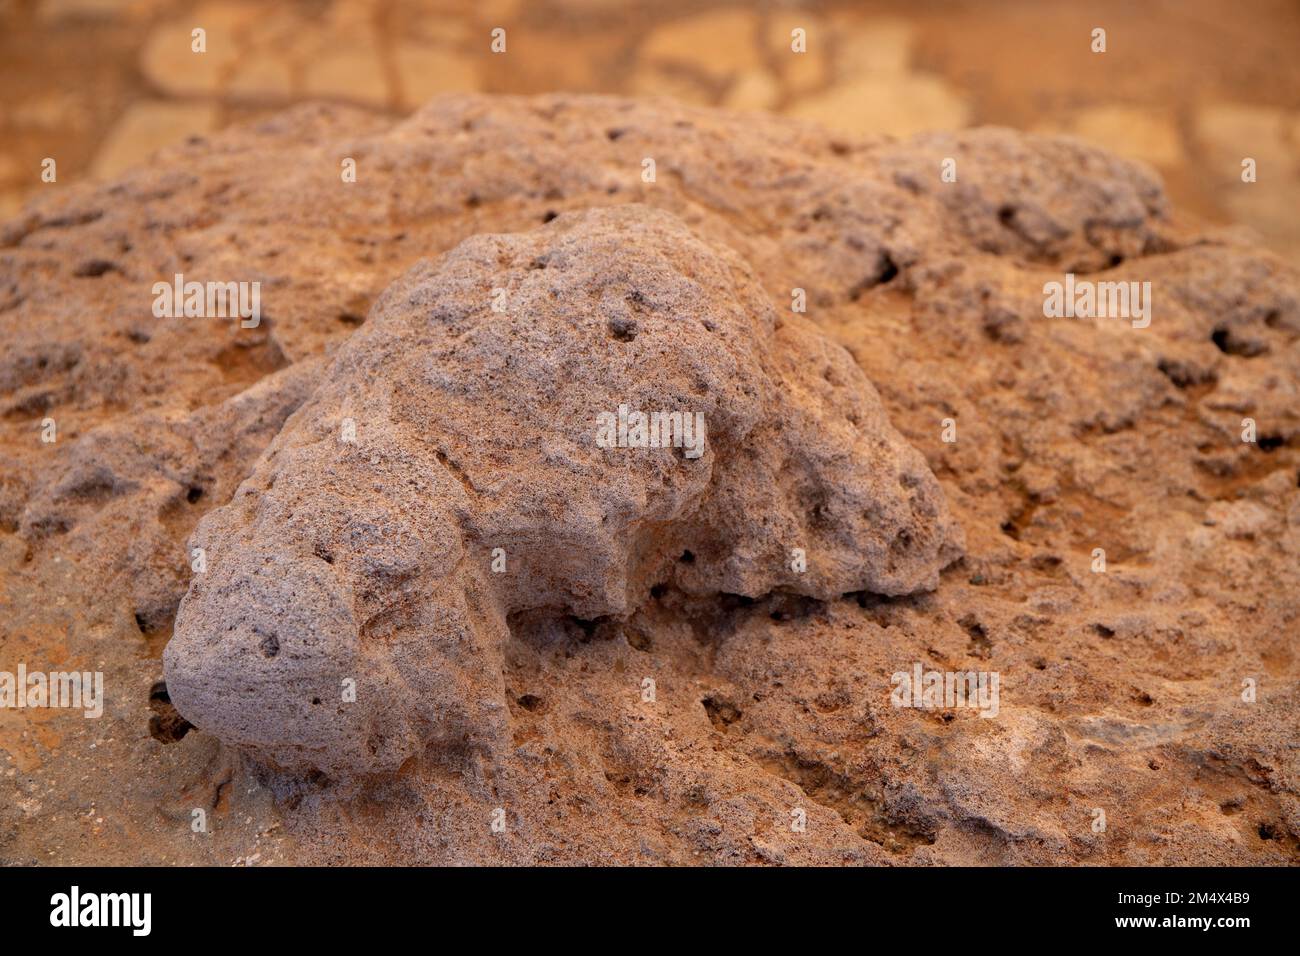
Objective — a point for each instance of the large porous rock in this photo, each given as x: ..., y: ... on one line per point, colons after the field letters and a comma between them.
x: 1162, y: 691
x: 474, y: 453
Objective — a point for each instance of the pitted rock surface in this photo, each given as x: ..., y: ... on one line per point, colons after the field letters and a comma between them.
x: 1123, y: 690
x: 450, y: 426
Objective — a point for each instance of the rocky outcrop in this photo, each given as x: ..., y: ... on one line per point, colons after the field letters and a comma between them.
x: 554, y: 421
x: 662, y: 686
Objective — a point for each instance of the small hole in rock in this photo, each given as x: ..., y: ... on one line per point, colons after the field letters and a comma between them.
x: 624, y: 330
x: 722, y: 713
x: 981, y: 645
x: 588, y: 629
x: 166, y: 725
x: 1232, y: 343
x: 94, y: 268
x: 1183, y: 375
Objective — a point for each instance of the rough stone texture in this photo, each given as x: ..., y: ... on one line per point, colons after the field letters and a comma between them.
x: 367, y: 557
x: 1121, y: 691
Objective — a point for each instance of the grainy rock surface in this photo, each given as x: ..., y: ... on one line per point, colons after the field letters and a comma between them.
x: 1121, y: 691
x: 463, y: 421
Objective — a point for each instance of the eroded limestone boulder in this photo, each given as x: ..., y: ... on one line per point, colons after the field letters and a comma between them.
x: 473, y: 412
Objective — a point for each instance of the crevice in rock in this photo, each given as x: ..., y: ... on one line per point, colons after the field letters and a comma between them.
x: 166, y: 725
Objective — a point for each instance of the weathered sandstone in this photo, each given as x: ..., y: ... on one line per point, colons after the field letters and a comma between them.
x: 454, y: 424
x: 1124, y: 691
